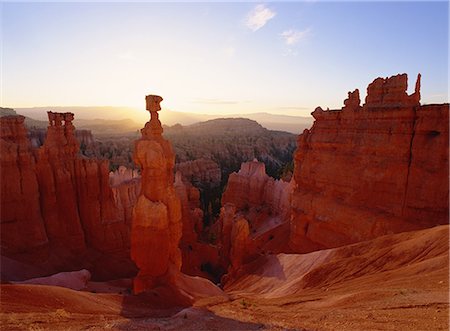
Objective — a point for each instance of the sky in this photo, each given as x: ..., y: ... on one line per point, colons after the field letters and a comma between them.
x: 218, y: 58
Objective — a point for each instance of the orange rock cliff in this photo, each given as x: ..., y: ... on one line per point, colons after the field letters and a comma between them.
x: 58, y: 210
x: 254, y: 218
x: 360, y: 172
x: 366, y: 171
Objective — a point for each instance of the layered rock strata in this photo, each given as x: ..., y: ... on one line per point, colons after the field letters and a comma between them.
x: 254, y: 218
x: 251, y: 187
x: 61, y: 203
x: 199, y: 257
x: 22, y: 223
x: 156, y: 226
x: 366, y: 171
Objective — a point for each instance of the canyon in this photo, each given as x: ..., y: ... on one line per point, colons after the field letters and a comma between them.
x: 357, y: 237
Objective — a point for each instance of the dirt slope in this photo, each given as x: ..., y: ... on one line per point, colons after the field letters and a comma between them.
x: 395, y: 282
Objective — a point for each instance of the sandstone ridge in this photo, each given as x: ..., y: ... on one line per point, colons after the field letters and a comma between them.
x: 58, y: 210
x: 366, y: 171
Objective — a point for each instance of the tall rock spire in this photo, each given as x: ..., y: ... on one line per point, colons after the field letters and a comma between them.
x: 156, y: 223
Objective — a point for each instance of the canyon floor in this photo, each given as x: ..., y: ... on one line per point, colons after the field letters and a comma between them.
x: 394, y: 282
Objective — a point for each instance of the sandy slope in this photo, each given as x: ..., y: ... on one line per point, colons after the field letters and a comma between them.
x: 395, y: 282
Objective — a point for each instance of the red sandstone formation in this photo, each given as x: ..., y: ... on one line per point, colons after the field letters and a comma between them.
x: 55, y: 170
x: 22, y: 225
x: 251, y: 187
x: 362, y: 172
x: 192, y: 214
x: 240, y: 243
x: 255, y: 211
x: 203, y: 172
x: 156, y: 227
x: 66, y: 201
x: 157, y: 217
x: 122, y: 175
x: 195, y: 253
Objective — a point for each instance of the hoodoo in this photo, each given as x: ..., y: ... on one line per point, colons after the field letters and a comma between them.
x: 58, y: 211
x: 156, y: 223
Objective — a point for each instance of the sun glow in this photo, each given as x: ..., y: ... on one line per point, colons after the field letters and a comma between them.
x: 221, y: 58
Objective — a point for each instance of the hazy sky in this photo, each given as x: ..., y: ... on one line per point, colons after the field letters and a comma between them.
x: 283, y: 58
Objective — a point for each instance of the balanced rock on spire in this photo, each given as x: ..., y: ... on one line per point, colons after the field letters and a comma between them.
x: 156, y: 227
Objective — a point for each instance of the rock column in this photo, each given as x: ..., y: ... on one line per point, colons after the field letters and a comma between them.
x: 156, y: 222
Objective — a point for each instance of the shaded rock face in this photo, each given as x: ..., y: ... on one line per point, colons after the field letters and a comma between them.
x: 156, y: 226
x: 122, y: 175
x: 256, y: 209
x: 54, y: 200
x: 203, y: 173
x: 199, y: 258
x: 362, y: 172
x: 251, y: 187
x: 22, y: 224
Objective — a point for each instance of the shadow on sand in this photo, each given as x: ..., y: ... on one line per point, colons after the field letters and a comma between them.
x: 164, y: 309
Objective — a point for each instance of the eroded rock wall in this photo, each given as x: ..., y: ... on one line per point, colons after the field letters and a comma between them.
x: 57, y: 208
x: 254, y: 218
x: 251, y: 187
x: 204, y: 173
x: 22, y: 224
x: 365, y: 171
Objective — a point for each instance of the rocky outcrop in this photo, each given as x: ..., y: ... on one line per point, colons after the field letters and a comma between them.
x: 37, y: 136
x: 56, y: 176
x: 22, y: 224
x: 122, y: 175
x: 239, y: 244
x: 366, y: 171
x: 231, y: 141
x: 255, y: 211
x: 199, y: 258
x: 251, y: 187
x: 61, y: 203
x: 156, y: 226
x: 203, y: 173
x: 192, y: 214
x: 158, y: 216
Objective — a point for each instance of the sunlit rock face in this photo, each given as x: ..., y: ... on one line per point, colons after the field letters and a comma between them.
x: 251, y: 187
x: 58, y: 209
x: 156, y: 227
x: 365, y: 171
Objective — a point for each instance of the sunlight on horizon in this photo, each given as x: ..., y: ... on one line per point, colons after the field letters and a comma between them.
x: 221, y: 58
